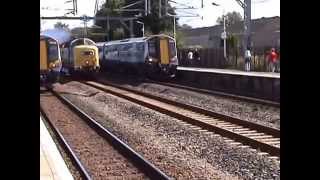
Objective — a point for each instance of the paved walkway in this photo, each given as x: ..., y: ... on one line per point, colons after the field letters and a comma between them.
x: 52, y: 165
x: 231, y: 72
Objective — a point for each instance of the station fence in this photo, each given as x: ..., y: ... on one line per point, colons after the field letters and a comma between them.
x: 214, y: 58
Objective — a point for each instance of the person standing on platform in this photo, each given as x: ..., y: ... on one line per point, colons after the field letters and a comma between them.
x: 247, y: 60
x: 190, y: 57
x: 197, y: 56
x: 272, y: 60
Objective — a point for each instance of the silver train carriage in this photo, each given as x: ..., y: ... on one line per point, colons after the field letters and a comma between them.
x: 153, y: 55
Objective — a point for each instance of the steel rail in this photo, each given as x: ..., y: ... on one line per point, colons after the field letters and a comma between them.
x: 219, y: 93
x: 272, y: 150
x: 144, y: 165
x: 75, y: 161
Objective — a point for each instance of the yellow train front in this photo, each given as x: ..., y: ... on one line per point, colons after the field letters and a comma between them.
x: 81, y: 57
x: 50, y: 59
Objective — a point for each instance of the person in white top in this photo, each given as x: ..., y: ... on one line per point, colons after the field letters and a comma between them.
x: 190, y: 57
x: 247, y: 60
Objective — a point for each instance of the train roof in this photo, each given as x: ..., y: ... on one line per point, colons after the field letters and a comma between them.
x: 85, y: 41
x: 131, y: 40
x: 60, y: 35
x: 47, y: 37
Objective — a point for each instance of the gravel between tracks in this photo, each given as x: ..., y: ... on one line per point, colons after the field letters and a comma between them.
x: 73, y: 170
x: 176, y: 149
x: 99, y: 157
x: 258, y: 113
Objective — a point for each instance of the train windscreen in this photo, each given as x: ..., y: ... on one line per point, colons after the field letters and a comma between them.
x: 172, y: 47
x: 152, y: 47
x: 53, y: 51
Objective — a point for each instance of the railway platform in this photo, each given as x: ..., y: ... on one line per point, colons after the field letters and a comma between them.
x: 232, y: 72
x: 263, y: 85
x: 52, y: 165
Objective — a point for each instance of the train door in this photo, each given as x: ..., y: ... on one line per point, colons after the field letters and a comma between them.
x: 43, y: 55
x: 164, y: 51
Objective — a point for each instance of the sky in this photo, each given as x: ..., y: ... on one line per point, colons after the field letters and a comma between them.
x: 210, y: 13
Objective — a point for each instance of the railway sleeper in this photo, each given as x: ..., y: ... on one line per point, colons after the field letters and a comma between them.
x: 228, y: 126
x: 253, y: 134
x: 244, y: 131
x: 260, y: 137
x: 271, y: 141
x: 235, y: 143
x: 263, y: 153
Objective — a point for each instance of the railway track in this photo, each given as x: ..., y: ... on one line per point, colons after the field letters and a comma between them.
x: 219, y: 93
x: 107, y: 153
x: 175, y: 84
x: 238, y: 132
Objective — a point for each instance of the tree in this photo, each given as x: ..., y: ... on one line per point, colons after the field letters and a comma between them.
x: 185, y: 26
x: 231, y: 18
x: 60, y: 25
x: 156, y: 24
x: 109, y: 9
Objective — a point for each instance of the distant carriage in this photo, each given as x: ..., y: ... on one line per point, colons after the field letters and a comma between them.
x: 81, y: 55
x: 153, y: 55
x: 50, y: 59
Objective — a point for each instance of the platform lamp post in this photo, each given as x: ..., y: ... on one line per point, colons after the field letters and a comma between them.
x: 139, y: 22
x: 224, y: 33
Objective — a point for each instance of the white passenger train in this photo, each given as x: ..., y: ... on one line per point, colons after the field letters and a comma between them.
x: 153, y: 55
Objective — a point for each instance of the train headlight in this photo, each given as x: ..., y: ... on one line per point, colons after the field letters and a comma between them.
x: 52, y: 65
x: 150, y: 59
x: 87, y: 62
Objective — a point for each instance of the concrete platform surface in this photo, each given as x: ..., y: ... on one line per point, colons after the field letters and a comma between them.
x: 52, y: 165
x: 231, y: 72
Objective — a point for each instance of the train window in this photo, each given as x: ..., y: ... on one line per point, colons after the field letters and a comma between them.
x: 111, y: 52
x: 126, y: 47
x: 138, y: 52
x: 88, y: 42
x: 140, y: 46
x: 152, y: 48
x: 116, y: 47
x: 87, y: 53
x: 172, y: 47
x: 53, y: 52
x: 107, y: 49
x: 82, y: 41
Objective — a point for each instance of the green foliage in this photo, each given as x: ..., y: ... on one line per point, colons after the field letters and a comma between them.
x: 232, y: 41
x: 185, y: 26
x: 179, y: 39
x: 231, y: 18
x: 118, y: 34
x: 60, y: 25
